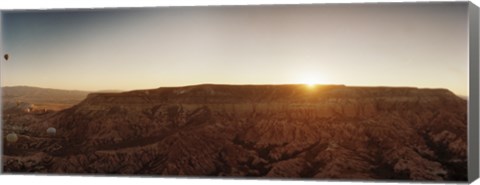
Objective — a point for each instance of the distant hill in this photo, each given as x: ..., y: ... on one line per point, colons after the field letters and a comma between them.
x: 108, y: 91
x: 41, y: 97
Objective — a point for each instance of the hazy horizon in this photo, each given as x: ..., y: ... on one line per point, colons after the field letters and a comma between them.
x: 420, y: 45
x: 318, y: 85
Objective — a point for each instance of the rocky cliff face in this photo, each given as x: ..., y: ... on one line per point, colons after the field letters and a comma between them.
x: 281, y: 131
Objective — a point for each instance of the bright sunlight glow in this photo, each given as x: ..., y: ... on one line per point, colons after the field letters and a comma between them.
x: 311, y: 80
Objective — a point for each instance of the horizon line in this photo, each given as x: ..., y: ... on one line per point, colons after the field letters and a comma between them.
x: 200, y: 84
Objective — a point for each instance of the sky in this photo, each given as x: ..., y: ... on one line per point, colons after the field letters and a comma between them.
x: 416, y: 45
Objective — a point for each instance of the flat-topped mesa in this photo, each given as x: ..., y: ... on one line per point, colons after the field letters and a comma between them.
x: 389, y: 92
x: 257, y: 130
x: 221, y: 94
x: 265, y: 129
x: 209, y: 93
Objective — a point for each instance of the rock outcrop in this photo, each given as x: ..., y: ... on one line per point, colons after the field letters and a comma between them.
x: 278, y: 131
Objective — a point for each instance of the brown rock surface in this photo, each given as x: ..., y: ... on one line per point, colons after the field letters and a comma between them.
x: 281, y: 131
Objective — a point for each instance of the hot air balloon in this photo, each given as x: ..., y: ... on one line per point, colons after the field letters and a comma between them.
x: 51, y: 131
x: 5, y: 56
x: 12, y: 138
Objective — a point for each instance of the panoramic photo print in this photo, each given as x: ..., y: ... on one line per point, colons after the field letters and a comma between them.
x: 332, y: 91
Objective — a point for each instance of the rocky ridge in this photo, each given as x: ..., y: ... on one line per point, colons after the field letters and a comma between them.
x: 280, y: 131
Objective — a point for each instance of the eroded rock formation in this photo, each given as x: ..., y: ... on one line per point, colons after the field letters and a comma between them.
x: 281, y: 131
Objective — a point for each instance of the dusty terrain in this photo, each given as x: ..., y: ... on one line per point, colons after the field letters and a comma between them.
x: 280, y: 131
x: 40, y: 98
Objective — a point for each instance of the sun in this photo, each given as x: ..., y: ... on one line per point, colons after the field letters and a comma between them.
x: 311, y: 80
x: 310, y: 84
